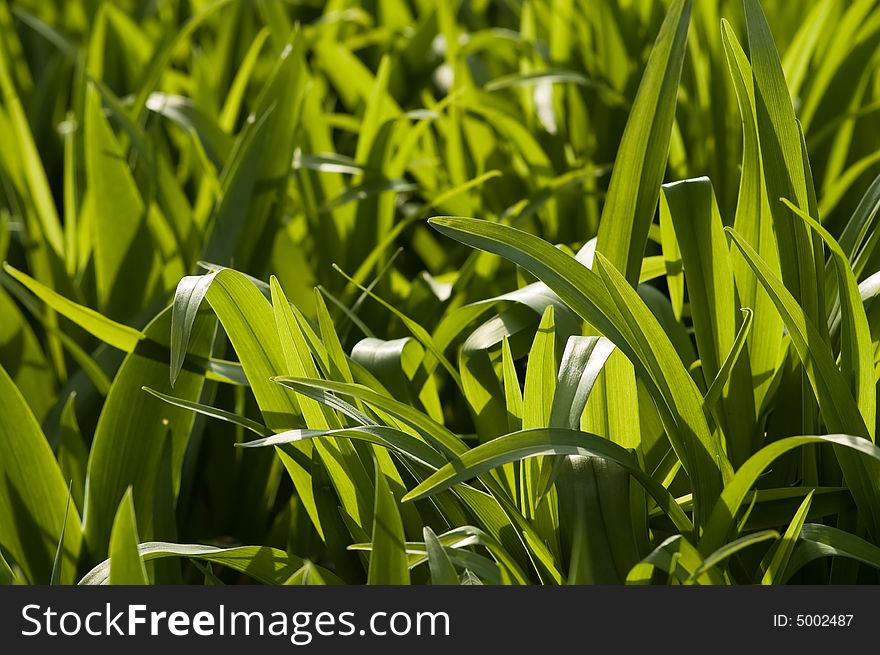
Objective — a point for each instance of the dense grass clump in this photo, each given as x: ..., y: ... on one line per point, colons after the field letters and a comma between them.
x: 570, y: 291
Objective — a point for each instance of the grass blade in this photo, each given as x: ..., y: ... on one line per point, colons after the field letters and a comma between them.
x: 126, y: 564
x: 638, y: 170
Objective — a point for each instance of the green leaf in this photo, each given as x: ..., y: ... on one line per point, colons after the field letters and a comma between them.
x: 419, y: 332
x: 34, y: 173
x: 553, y: 76
x: 249, y: 321
x: 699, y: 233
x: 442, y: 569
x: 754, y: 222
x: 399, y: 365
x: 263, y: 564
x: 818, y: 540
x: 72, y: 454
x: 388, y: 562
x: 540, y: 383
x: 184, y: 113
x: 856, y: 350
x: 641, y: 161
x: 7, y: 575
x: 538, y: 392
x: 58, y: 563
x: 782, y: 554
x: 397, y: 440
x: 512, y: 392
x: 34, y: 503
x: 706, y: 258
x: 728, y: 550
x: 677, y: 557
x: 126, y: 564
x: 308, y: 575
x: 188, y: 298
x: 784, y: 164
x: 546, y: 441
x: 838, y: 406
x: 713, y: 393
x: 860, y: 236
x: 614, y: 308
x: 298, y: 357
x: 116, y: 334
x: 213, y: 412
x: 724, y: 512
x: 21, y: 354
x: 133, y: 427
x: 440, y: 437
x: 125, y: 263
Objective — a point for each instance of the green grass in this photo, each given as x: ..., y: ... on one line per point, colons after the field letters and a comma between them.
x: 562, y: 292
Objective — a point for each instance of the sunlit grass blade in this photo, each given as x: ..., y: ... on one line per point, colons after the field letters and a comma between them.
x: 785, y: 174
x: 547, y: 441
x: 705, y: 256
x: 729, y: 550
x: 607, y: 303
x: 442, y: 569
x: 388, y: 563
x: 126, y: 565
x: 754, y: 222
x: 213, y: 412
x: 264, y: 564
x: 638, y: 170
x: 116, y: 334
x: 855, y: 340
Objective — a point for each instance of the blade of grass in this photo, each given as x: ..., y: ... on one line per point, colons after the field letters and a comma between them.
x: 126, y: 564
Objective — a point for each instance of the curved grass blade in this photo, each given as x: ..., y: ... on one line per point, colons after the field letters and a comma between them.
x: 839, y: 408
x: 72, y: 453
x: 677, y: 557
x: 706, y: 259
x: 213, y: 412
x: 754, y: 222
x: 544, y: 441
x: 723, y: 514
x: 728, y: 550
x: 818, y: 540
x: 125, y: 259
x: 116, y: 334
x: 614, y: 308
x: 723, y: 377
x: 777, y: 565
x: 441, y: 437
x: 188, y: 298
x: 263, y: 564
x: 308, y: 575
x: 396, y: 440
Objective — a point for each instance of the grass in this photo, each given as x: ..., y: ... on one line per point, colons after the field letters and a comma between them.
x: 557, y: 292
